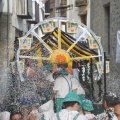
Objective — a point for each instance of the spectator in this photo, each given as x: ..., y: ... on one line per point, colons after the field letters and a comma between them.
x: 117, y: 110
x: 25, y: 112
x: 64, y: 84
x: 16, y: 115
x: 71, y: 104
x: 109, y: 101
x: 87, y: 107
x: 34, y: 115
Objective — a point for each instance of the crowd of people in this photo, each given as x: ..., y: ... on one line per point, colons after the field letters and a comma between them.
x: 68, y: 102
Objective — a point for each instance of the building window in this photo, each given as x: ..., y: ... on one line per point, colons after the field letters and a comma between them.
x: 83, y: 19
x: 83, y: 16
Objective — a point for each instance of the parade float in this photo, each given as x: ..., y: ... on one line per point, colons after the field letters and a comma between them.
x: 55, y: 42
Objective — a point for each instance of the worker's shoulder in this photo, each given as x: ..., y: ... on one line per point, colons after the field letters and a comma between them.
x: 81, y: 117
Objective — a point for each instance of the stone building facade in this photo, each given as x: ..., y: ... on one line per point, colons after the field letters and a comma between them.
x: 105, y: 22
x: 6, y: 47
x: 16, y: 18
x: 74, y: 9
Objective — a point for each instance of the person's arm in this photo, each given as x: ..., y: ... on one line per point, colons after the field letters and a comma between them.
x: 53, y: 94
x: 82, y: 91
x: 57, y: 85
x: 77, y: 86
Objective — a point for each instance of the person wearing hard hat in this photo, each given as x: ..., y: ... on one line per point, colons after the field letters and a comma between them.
x: 64, y: 84
x: 87, y: 108
x: 71, y: 104
x: 77, y: 86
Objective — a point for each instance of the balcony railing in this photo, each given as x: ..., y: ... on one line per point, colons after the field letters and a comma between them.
x: 79, y: 3
x: 65, y: 7
x: 24, y: 8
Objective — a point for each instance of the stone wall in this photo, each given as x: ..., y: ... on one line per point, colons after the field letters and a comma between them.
x: 100, y: 27
x: 4, y: 55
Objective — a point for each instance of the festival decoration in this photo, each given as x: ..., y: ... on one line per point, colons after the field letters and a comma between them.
x: 99, y: 64
x: 38, y: 53
x: 60, y: 56
x: 59, y: 47
x: 22, y: 65
x: 47, y: 27
x: 84, y: 71
x: 92, y: 43
x: 13, y: 66
x: 71, y: 27
x: 25, y: 44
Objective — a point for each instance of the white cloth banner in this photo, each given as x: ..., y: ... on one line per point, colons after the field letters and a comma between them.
x: 118, y: 48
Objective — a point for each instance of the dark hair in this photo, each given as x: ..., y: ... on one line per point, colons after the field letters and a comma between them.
x: 14, y: 113
x: 118, y: 102
x: 111, y: 99
x: 56, y: 74
x: 68, y: 104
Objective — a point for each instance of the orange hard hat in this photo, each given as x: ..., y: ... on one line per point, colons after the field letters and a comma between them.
x: 60, y: 58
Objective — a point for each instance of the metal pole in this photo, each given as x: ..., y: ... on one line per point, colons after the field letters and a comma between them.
x: 105, y: 73
x: 91, y: 74
x: 8, y: 19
